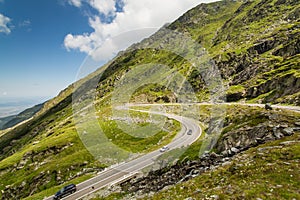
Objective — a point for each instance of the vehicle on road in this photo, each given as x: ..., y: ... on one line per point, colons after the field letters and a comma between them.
x: 189, y: 132
x: 268, y: 106
x: 65, y: 191
x: 164, y: 148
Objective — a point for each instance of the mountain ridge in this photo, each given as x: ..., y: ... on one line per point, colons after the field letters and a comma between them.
x: 254, y: 44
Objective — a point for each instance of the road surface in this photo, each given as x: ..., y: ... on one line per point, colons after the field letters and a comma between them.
x: 128, y: 169
x: 123, y: 171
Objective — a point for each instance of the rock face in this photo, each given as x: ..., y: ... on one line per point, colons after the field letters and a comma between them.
x: 248, y: 67
x: 229, y: 145
x: 159, y: 179
x: 244, y: 67
x: 244, y: 138
x: 285, y: 85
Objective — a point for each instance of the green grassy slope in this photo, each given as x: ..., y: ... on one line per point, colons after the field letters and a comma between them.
x: 270, y: 171
x: 254, y: 44
x: 266, y: 171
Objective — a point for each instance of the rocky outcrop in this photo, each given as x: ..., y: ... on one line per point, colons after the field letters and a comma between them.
x: 291, y: 47
x: 232, y: 97
x: 244, y: 138
x: 159, y: 179
x: 290, y: 99
x: 230, y: 144
x: 17, y: 191
x: 263, y: 46
x: 36, y: 159
x: 231, y: 64
x: 282, y: 86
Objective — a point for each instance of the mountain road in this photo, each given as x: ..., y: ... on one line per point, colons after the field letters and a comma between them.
x: 122, y: 171
x: 128, y: 169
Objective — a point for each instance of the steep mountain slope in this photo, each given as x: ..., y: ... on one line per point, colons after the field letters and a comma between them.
x: 256, y: 48
x: 269, y: 171
x: 253, y: 44
x: 10, y: 121
x: 4, y: 120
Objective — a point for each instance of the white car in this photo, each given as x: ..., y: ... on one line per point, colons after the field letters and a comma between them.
x: 164, y: 148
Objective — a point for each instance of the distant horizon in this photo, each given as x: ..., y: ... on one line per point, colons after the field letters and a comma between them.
x: 14, y: 105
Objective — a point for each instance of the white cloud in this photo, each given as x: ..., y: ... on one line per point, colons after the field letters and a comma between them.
x: 76, y: 3
x: 136, y: 15
x: 81, y: 42
x: 111, y: 46
x: 4, y: 24
x: 103, y: 6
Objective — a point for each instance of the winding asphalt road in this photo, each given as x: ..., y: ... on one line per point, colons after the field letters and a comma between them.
x: 128, y: 169
x: 117, y: 173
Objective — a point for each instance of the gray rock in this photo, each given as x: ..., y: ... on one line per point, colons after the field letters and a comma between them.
x: 296, y: 128
x: 215, y: 196
x: 284, y: 126
x: 214, y: 155
x: 234, y: 150
x: 278, y: 134
x: 195, y: 171
x: 226, y: 163
x: 229, y: 152
x: 224, y: 153
x: 204, y: 163
x: 288, y: 131
x: 267, y: 148
x: 289, y: 142
x: 259, y: 140
x: 225, y: 159
x: 198, y: 191
x: 23, y: 184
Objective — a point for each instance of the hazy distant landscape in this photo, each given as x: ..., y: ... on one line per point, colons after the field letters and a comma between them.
x: 14, y: 105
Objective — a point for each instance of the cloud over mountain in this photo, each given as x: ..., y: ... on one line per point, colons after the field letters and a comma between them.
x: 133, y: 15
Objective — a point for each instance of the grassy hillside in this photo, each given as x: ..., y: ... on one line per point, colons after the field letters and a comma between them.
x: 269, y: 171
x: 4, y: 120
x: 253, y: 44
x: 263, y: 168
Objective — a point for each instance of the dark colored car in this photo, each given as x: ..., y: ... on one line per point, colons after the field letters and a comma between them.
x: 65, y: 191
x: 268, y: 106
x: 190, y: 132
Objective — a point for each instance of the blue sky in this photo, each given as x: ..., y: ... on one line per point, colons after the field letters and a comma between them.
x: 33, y: 59
x: 44, y: 42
